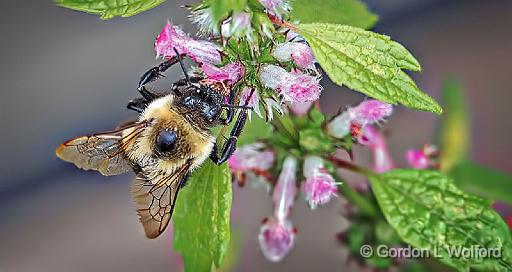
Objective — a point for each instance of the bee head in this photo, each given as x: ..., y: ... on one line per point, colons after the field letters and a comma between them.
x: 203, y: 103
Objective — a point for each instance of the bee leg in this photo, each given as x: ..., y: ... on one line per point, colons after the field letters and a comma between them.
x: 137, y: 104
x: 156, y: 72
x: 230, y: 145
x: 184, y: 180
x: 231, y: 110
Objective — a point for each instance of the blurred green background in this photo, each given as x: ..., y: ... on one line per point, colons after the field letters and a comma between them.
x: 66, y: 73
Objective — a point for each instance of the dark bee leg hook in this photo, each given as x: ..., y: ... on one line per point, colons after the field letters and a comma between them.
x: 231, y: 110
x: 230, y: 145
x: 156, y: 72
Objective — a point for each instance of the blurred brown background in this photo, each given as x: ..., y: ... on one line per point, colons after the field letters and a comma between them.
x: 67, y: 73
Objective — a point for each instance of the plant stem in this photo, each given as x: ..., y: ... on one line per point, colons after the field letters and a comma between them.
x: 356, y: 198
x: 365, y: 206
x: 351, y: 166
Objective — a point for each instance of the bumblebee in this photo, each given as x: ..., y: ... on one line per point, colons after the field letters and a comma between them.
x: 169, y: 140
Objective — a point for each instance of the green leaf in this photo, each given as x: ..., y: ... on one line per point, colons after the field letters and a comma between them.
x: 367, y: 62
x: 483, y: 181
x: 454, y: 136
x: 201, y: 217
x: 343, y: 12
x: 429, y: 212
x: 109, y: 9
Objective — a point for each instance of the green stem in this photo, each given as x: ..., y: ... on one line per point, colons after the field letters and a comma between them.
x: 351, y: 166
x: 365, y: 206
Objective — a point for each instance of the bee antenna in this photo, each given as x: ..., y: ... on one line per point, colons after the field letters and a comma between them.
x: 181, y: 64
x: 236, y: 107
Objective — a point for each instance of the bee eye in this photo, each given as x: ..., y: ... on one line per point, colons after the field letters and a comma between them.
x: 166, y: 140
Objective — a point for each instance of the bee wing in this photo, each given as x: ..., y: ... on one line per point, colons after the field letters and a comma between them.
x: 155, y: 198
x: 103, y: 152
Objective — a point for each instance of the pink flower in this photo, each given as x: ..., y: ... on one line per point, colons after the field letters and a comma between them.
x: 173, y: 37
x: 339, y: 126
x: 422, y: 159
x: 319, y: 187
x: 252, y: 101
x: 286, y: 189
x: 300, y: 108
x: 372, y: 111
x: 277, y: 234
x: 276, y: 7
x: 293, y: 87
x: 417, y: 159
x: 276, y: 239
x: 366, y: 113
x: 251, y: 157
x: 230, y: 73
x: 300, y: 53
x: 373, y: 139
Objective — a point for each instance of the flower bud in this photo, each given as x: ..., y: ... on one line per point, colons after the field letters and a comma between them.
x: 372, y: 111
x: 422, y: 159
x: 276, y: 7
x: 417, y: 159
x: 276, y: 239
x: 299, y: 53
x: 230, y: 73
x: 251, y: 157
x: 319, y: 187
x: 300, y: 108
x: 366, y: 113
x: 293, y: 87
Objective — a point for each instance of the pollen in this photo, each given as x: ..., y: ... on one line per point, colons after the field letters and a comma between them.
x: 195, y: 144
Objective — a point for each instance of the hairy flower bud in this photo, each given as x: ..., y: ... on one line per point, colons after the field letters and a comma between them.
x: 172, y: 37
x: 276, y: 7
x: 320, y: 187
x: 251, y: 157
x: 299, y: 53
x: 293, y: 87
x: 230, y: 73
x: 366, y: 113
x: 372, y: 111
